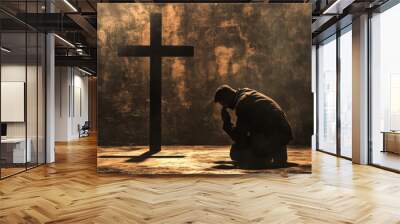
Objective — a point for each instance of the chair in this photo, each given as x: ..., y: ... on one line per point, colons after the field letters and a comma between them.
x: 84, y: 130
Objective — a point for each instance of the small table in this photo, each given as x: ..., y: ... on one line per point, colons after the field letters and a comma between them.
x: 13, y: 150
x: 391, y: 141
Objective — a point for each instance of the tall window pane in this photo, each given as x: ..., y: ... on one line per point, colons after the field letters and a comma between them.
x: 22, y: 89
x: 346, y: 93
x: 327, y: 96
x: 31, y: 99
x: 385, y: 84
x: 15, y: 152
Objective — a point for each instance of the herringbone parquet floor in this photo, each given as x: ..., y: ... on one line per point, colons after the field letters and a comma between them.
x: 70, y: 191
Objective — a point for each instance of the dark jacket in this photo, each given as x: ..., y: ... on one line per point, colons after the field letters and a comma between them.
x: 258, y: 113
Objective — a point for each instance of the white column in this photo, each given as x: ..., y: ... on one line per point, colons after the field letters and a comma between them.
x: 50, y: 93
x: 360, y: 90
x: 63, y: 99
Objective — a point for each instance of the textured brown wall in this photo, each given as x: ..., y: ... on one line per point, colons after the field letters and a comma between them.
x: 92, y: 86
x: 262, y: 46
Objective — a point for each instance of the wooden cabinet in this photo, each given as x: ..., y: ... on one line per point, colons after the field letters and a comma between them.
x: 391, y: 142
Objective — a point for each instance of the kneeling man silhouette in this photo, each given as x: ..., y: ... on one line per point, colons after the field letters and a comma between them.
x: 261, y: 132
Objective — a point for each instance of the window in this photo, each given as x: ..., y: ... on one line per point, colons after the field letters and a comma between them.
x: 22, y: 101
x: 385, y: 88
x: 328, y: 110
x: 346, y: 92
x: 326, y: 94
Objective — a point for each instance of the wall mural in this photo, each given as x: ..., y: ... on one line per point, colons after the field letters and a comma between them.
x: 160, y: 66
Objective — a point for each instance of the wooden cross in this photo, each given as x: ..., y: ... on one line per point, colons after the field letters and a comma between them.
x: 155, y: 51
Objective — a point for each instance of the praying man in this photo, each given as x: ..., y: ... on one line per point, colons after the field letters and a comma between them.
x: 262, y: 130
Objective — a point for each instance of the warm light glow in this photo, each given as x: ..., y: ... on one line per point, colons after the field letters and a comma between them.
x: 70, y: 5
